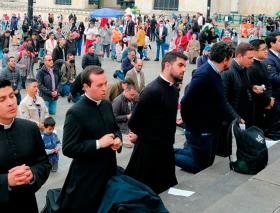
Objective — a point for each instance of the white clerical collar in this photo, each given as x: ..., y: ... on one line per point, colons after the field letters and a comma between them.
x: 275, y: 53
x: 170, y: 83
x: 8, y: 126
x: 97, y: 102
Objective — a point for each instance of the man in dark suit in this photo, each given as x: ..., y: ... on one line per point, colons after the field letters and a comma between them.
x: 24, y: 165
x: 59, y: 51
x: 272, y: 64
x: 137, y: 76
x: 129, y: 62
x: 161, y: 33
x: 35, y: 44
x: 91, y: 137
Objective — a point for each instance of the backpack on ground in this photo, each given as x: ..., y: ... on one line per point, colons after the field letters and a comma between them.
x: 251, y: 153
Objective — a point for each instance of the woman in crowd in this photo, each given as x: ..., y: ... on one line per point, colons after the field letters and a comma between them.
x: 181, y: 42
x: 90, y: 33
x: 79, y: 41
x: 140, y: 40
x: 120, y: 47
x: 106, y: 34
x: 193, y: 49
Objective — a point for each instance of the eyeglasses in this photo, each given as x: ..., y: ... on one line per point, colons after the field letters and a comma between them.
x: 49, y: 60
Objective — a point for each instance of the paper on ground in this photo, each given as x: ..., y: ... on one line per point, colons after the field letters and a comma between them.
x: 180, y: 192
x: 270, y: 143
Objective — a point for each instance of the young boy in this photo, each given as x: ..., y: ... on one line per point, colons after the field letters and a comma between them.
x: 52, y: 142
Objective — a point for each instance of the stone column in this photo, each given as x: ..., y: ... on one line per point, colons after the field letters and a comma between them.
x: 234, y: 6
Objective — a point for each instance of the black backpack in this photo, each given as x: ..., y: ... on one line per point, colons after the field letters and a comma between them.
x: 251, y: 153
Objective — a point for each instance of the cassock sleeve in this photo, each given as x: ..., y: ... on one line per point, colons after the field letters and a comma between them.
x: 72, y: 146
x: 4, y: 191
x: 41, y: 167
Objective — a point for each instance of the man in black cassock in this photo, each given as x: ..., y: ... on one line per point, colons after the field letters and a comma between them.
x: 91, y: 137
x: 154, y: 122
x: 24, y: 165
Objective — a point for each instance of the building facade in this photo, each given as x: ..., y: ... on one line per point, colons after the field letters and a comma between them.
x: 217, y: 6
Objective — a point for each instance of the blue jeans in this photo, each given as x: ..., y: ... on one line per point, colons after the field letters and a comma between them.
x: 18, y: 96
x: 23, y: 81
x: 113, y: 53
x: 199, y: 156
x: 145, y: 52
x: 76, y: 97
x: 65, y: 89
x: 160, y: 45
x: 3, y: 26
x: 51, y: 105
x: 79, y: 46
x: 1, y: 53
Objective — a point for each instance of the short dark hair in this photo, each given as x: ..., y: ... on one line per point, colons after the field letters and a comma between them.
x: 34, y: 33
x: 130, y: 87
x: 257, y: 43
x: 7, y: 31
x: 271, y: 37
x: 4, y: 82
x: 28, y: 39
x: 243, y: 48
x: 10, y: 58
x: 30, y: 81
x: 49, y: 121
x: 220, y: 51
x: 97, y: 35
x: 171, y: 57
x: 90, y: 45
x: 51, y: 33
x: 29, y: 48
x: 85, y: 76
x: 68, y: 55
x: 128, y: 81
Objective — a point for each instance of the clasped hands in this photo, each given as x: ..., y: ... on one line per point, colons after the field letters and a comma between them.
x: 110, y: 140
x: 20, y: 175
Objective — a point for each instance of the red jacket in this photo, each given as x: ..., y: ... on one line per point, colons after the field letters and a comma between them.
x: 183, y: 42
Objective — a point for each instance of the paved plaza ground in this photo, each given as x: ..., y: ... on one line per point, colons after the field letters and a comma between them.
x: 212, y: 186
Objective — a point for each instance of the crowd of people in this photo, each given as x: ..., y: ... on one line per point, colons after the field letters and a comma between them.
x: 233, y: 80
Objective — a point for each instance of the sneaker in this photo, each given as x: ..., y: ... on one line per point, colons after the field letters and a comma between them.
x: 115, y: 74
x: 128, y: 144
x: 54, y: 170
x: 156, y: 59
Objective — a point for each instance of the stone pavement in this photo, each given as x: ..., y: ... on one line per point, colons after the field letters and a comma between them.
x: 217, y: 189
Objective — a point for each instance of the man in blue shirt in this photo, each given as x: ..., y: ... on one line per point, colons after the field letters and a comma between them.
x: 203, y: 109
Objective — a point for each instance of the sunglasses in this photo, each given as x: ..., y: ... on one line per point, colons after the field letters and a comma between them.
x: 49, y: 60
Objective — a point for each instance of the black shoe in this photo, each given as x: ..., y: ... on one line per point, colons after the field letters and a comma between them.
x: 156, y: 59
x: 69, y: 98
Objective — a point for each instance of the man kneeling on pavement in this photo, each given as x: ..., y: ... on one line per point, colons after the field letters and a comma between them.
x: 122, y: 108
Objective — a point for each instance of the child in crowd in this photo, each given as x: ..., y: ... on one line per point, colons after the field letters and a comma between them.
x: 145, y: 49
x: 52, y: 142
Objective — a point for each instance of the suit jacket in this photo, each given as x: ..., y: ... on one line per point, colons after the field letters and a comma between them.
x: 164, y: 33
x: 132, y: 75
x: 126, y: 65
x: 272, y: 64
x: 130, y: 29
x: 36, y: 47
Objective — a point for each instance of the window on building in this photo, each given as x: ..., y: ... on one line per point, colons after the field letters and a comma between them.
x: 166, y: 4
x: 93, y: 2
x: 63, y: 2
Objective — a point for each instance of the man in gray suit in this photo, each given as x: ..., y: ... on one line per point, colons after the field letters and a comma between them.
x: 137, y: 76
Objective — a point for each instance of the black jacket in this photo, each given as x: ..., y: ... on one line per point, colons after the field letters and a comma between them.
x: 2, y: 41
x: 90, y: 59
x: 233, y: 85
x: 58, y: 54
x: 164, y: 34
x: 41, y: 39
x: 70, y: 47
x: 77, y: 87
x: 45, y: 83
x: 130, y: 29
x: 36, y: 47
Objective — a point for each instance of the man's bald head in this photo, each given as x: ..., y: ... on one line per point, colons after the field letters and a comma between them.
x: 138, y: 65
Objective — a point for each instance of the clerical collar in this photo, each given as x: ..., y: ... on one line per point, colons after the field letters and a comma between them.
x: 257, y: 59
x: 97, y: 102
x: 7, y: 126
x: 170, y: 83
x: 275, y: 53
